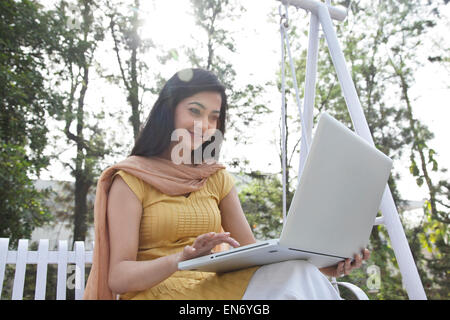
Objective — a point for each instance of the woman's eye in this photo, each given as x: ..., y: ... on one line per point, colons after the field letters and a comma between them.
x: 196, y: 111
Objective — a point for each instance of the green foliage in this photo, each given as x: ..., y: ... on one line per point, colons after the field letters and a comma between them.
x: 433, y: 230
x: 24, y: 99
x: 261, y: 202
x: 73, y: 60
x: 24, y: 102
x: 22, y: 207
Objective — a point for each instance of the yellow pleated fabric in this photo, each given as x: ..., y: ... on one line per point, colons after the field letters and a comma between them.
x: 168, y: 224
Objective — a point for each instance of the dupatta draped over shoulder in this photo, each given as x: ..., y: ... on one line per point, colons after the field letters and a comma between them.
x: 160, y: 173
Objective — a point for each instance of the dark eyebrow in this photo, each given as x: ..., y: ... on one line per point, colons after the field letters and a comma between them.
x: 202, y: 106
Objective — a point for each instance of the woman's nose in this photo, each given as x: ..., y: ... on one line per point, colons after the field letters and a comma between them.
x: 201, y: 126
x: 206, y: 125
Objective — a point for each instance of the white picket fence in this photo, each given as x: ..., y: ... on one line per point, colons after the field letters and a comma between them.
x: 43, y: 257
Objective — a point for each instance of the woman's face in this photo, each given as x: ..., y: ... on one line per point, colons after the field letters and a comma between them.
x: 199, y: 115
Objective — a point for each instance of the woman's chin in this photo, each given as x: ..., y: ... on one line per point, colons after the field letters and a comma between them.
x: 196, y: 148
x: 195, y: 145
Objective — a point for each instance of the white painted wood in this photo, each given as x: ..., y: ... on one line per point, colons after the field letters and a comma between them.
x: 52, y: 257
x: 360, y: 294
x: 41, y: 275
x: 32, y: 257
x: 61, y: 284
x: 42, y: 258
x: 11, y: 257
x: 4, y: 242
x: 19, y: 277
x: 336, y: 12
x: 379, y: 221
x: 79, y: 269
x: 310, y: 88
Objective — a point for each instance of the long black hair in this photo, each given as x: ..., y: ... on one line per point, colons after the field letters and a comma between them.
x: 154, y: 137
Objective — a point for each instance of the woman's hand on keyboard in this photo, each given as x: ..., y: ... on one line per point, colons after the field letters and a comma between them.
x: 204, y: 243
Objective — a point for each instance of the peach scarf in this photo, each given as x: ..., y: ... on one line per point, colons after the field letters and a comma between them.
x: 160, y: 173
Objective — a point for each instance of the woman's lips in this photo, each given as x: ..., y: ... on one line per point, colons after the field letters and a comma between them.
x: 192, y: 134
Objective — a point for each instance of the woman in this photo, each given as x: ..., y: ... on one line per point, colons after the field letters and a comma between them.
x: 170, y: 201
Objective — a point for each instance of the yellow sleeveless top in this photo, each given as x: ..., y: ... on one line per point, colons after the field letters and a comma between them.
x: 168, y: 224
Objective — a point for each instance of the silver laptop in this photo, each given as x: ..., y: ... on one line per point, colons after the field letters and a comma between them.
x: 333, y: 209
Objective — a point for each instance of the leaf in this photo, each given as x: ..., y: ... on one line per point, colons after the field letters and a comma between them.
x: 435, y: 165
x: 413, y: 169
x: 431, y: 153
x: 419, y: 181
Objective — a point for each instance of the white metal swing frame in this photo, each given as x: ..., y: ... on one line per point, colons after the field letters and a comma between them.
x: 322, y: 15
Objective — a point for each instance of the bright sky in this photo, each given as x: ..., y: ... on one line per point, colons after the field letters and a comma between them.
x: 258, y: 46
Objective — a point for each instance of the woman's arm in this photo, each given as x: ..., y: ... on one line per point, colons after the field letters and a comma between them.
x: 124, y: 217
x: 234, y: 220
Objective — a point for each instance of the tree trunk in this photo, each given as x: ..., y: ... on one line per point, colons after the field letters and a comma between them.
x: 134, y: 92
x: 80, y: 223
x: 82, y: 173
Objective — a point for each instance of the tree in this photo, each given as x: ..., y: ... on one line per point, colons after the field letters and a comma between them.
x: 433, y: 231
x: 129, y: 47
x: 244, y: 107
x: 369, y: 36
x: 25, y: 100
x: 74, y: 59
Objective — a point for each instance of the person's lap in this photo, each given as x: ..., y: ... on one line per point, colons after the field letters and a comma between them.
x: 290, y: 280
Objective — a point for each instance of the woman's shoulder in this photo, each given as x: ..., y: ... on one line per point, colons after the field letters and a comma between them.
x: 126, y: 176
x: 221, y: 182
x: 138, y: 186
x: 220, y: 175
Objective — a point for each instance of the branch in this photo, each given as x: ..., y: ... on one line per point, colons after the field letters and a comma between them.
x: 67, y: 164
x: 79, y: 141
x: 116, y: 48
x: 290, y: 158
x: 322, y: 105
x: 442, y: 203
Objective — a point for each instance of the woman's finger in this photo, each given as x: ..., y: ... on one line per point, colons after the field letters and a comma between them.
x: 189, y: 252
x: 203, y: 239
x: 340, y: 269
x: 223, y: 239
x: 366, y: 254
x: 205, y: 242
x: 347, y: 266
x: 358, y: 261
x: 228, y: 240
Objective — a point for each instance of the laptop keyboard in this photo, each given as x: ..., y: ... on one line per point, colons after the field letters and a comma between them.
x: 239, y: 249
